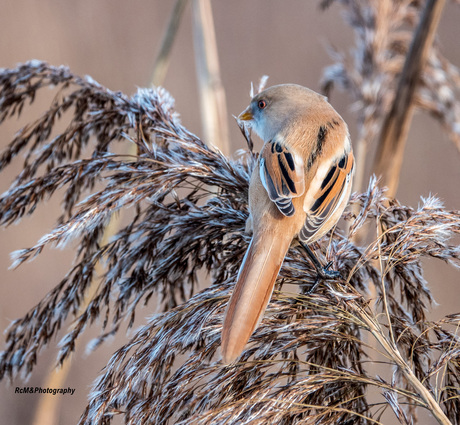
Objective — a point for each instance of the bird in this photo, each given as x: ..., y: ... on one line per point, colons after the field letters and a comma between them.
x: 298, y: 191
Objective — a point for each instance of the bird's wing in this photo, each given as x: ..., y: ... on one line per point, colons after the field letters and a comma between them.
x: 329, y: 196
x: 282, y: 175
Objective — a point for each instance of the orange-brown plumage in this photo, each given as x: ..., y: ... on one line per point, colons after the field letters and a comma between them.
x: 299, y: 189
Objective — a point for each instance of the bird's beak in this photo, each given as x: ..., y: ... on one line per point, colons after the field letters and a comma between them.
x: 246, y: 115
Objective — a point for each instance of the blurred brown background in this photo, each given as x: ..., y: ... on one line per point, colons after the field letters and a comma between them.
x: 116, y: 42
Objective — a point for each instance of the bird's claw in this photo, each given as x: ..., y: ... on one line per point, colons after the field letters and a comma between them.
x: 322, y: 273
x: 325, y: 273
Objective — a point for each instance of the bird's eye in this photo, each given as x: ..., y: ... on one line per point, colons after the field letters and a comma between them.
x: 262, y: 104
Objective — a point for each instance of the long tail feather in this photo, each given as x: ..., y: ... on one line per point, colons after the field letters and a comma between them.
x: 252, y: 292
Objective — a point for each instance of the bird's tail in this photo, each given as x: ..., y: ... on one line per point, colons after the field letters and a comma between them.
x: 253, y: 290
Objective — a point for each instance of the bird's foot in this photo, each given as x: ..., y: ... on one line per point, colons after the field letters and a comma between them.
x: 322, y: 273
x: 325, y: 273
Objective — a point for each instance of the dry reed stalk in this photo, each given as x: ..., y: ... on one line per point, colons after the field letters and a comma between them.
x: 213, y: 104
x: 163, y: 57
x: 390, y: 148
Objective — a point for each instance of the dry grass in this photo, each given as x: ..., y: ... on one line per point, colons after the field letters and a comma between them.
x: 307, y: 360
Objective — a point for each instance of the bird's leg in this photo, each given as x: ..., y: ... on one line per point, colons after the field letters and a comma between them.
x: 322, y: 272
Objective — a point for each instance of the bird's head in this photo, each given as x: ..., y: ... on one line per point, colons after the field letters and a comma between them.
x: 273, y: 109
